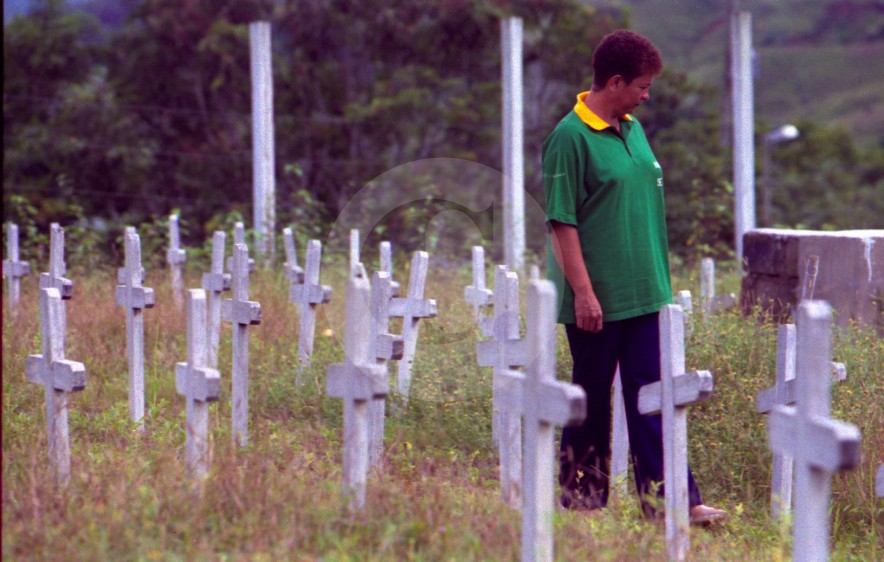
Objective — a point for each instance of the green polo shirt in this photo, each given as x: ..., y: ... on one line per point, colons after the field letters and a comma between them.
x: 610, y: 186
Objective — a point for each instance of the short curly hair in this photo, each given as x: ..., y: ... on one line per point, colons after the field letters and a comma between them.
x: 625, y: 53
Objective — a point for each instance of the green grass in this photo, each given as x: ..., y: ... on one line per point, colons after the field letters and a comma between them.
x: 437, y: 497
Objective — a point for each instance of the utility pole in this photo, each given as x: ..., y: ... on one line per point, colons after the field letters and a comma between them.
x: 743, y: 127
x: 263, y: 157
x: 513, y: 151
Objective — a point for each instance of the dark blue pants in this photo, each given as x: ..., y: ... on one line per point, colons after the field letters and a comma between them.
x: 635, y: 344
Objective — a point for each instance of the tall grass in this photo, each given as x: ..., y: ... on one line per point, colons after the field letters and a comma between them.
x: 437, y: 495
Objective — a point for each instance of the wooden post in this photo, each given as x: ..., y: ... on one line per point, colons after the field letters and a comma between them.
x: 176, y: 257
x: 819, y: 445
x: 13, y: 268
x: 215, y: 283
x: 58, y: 377
x: 358, y: 380
x: 55, y: 276
x: 412, y: 309
x: 263, y: 152
x: 670, y: 397
x: 134, y: 298
x: 307, y: 295
x: 241, y: 313
x: 198, y: 383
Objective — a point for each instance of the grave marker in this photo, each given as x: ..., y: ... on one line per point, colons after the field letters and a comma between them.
x: 686, y: 302
x: 476, y: 294
x: 384, y: 346
x: 239, y: 237
x: 241, y: 313
x: 176, y: 257
x: 358, y: 380
x: 710, y: 302
x: 819, y: 445
x: 879, y: 482
x: 13, y: 268
x: 670, y: 397
x: 619, y: 438
x: 215, y: 283
x: 58, y: 377
x: 544, y: 403
x: 412, y: 309
x: 354, y: 252
x: 55, y: 276
x: 134, y: 298
x: 293, y: 271
x: 307, y: 295
x: 198, y: 383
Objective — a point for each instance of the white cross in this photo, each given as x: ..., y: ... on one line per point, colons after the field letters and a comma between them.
x: 476, y: 294
x: 505, y: 324
x: 358, y: 380
x: 215, y: 283
x: 819, y: 445
x: 175, y: 258
x: 293, y: 271
x: 308, y: 294
x: 55, y: 276
x: 13, y: 268
x: 619, y: 438
x: 783, y: 393
x: 242, y: 313
x: 686, y: 302
x: 58, y: 377
x: 544, y: 404
x: 386, y: 257
x: 134, y: 298
x: 354, y: 252
x: 670, y: 396
x: 385, y: 346
x: 712, y: 303
x: 239, y: 237
x: 198, y: 383
x: 412, y: 309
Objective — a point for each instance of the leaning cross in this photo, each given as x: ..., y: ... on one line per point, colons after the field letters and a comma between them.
x: 412, y: 309
x: 134, y: 298
x: 176, y: 257
x: 476, y: 294
x: 308, y: 294
x: 13, y: 268
x: 545, y: 403
x: 215, y: 283
x: 198, y: 383
x: 358, y: 380
x: 670, y: 396
x: 239, y: 237
x: 58, y: 377
x: 293, y: 271
x: 819, y: 445
x: 242, y: 313
x: 55, y: 276
x: 384, y: 346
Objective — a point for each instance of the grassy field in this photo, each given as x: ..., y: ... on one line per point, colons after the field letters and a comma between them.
x: 436, y: 498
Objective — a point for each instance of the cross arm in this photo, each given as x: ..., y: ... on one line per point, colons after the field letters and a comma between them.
x: 310, y: 294
x: 16, y: 268
x: 135, y: 297
x: 35, y: 367
x: 251, y: 264
x: 561, y: 403
x: 689, y: 388
x: 416, y: 308
x: 65, y: 286
x: 200, y: 383
x: 357, y: 382
x: 390, y: 346
x: 508, y: 390
x: 476, y: 296
x: 768, y: 398
x: 295, y: 274
x: 176, y: 256
x: 828, y: 444
x: 241, y: 312
x: 216, y: 282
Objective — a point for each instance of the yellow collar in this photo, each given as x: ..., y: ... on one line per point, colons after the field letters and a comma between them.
x: 587, y: 116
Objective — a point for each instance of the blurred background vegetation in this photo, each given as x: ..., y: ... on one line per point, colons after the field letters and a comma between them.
x: 120, y: 112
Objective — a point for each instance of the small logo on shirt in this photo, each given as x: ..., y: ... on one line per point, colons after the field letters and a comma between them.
x: 659, y: 182
x: 657, y: 165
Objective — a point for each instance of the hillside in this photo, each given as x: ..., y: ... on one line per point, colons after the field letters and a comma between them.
x: 817, y: 59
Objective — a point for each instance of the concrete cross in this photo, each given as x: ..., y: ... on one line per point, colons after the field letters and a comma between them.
x: 307, y: 295
x: 215, y: 283
x: 503, y: 353
x: 476, y: 294
x: 358, y: 381
x: 134, y: 298
x: 784, y: 393
x: 176, y: 257
x: 293, y: 271
x: 242, y: 313
x: 544, y: 403
x: 686, y: 302
x: 239, y: 237
x: 13, y: 268
x: 619, y: 439
x: 710, y: 302
x: 386, y: 257
x: 58, y: 377
x: 354, y: 252
x: 198, y: 383
x: 55, y: 276
x: 412, y: 309
x: 819, y: 445
x: 384, y: 346
x: 670, y: 396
